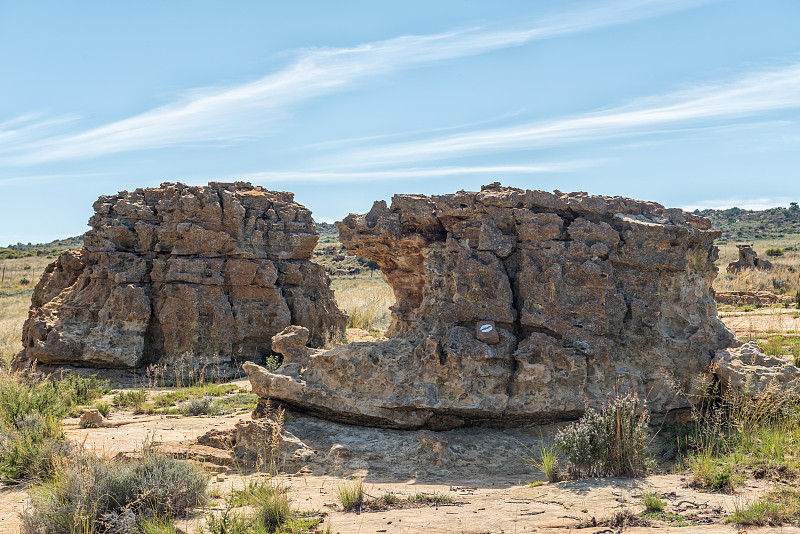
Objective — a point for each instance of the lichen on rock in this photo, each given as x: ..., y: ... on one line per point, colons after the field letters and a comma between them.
x: 179, y: 274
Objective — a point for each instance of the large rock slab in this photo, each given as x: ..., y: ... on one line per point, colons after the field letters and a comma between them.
x: 180, y: 275
x: 588, y: 295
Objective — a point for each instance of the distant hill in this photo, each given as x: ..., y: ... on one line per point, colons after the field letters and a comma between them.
x: 738, y: 224
x: 328, y: 234
x: 51, y: 249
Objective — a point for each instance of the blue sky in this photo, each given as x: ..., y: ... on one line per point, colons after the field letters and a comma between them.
x: 690, y: 103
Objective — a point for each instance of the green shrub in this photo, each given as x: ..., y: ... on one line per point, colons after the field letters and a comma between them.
x: 776, y: 508
x: 98, y: 495
x: 774, y: 252
x: 103, y: 407
x: 653, y: 502
x: 201, y: 406
x: 132, y: 399
x: 31, y: 436
x: 31, y: 448
x: 612, y: 441
x: 272, y: 511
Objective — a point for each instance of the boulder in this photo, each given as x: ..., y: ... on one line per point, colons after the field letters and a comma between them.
x: 181, y: 275
x: 91, y: 418
x: 749, y: 371
x: 748, y: 259
x: 586, y: 295
x: 264, y: 443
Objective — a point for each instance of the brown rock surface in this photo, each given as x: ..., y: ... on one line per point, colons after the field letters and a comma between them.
x: 748, y: 259
x: 589, y: 294
x: 180, y: 274
x: 763, y: 298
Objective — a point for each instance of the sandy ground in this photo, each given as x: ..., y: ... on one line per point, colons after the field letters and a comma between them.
x: 500, y: 502
x: 772, y: 320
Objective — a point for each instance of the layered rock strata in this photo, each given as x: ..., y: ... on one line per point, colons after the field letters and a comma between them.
x: 178, y: 274
x: 587, y: 294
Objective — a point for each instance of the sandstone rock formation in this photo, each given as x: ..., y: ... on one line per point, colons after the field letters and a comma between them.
x: 748, y: 259
x: 587, y: 294
x: 182, y: 275
x: 759, y: 298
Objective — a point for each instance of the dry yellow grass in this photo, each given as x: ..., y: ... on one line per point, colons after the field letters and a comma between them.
x: 366, y: 301
x: 18, y: 278
x: 784, y: 278
x: 13, y: 312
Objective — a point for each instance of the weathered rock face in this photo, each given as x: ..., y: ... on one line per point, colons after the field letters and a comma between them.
x: 747, y: 370
x: 587, y: 294
x: 748, y: 259
x: 197, y: 275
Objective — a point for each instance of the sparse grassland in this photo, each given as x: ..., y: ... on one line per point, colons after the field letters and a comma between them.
x: 782, y: 279
x: 201, y: 399
x: 366, y: 300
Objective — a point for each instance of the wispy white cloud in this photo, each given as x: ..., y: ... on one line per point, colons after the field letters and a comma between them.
x: 412, y: 173
x: 48, y: 178
x: 744, y: 203
x: 231, y: 113
x: 19, y: 132
x: 755, y: 93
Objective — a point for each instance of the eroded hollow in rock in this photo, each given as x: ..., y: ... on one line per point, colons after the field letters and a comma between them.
x: 519, y: 306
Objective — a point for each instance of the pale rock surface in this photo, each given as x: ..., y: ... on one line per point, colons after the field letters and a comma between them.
x: 91, y: 418
x: 588, y: 295
x: 182, y: 275
x: 747, y: 370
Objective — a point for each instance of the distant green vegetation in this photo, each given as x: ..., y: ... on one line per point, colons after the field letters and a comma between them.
x: 742, y: 225
x: 51, y: 249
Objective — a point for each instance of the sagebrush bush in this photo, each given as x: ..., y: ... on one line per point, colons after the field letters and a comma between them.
x: 609, y: 442
x: 201, y: 406
x: 90, y: 494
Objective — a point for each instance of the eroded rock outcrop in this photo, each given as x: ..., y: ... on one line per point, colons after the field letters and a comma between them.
x: 748, y: 259
x: 587, y: 294
x: 179, y: 274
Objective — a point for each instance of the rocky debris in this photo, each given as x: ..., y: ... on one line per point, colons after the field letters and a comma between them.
x: 758, y: 298
x: 264, y: 443
x: 747, y: 370
x: 587, y: 295
x: 183, y: 275
x: 748, y: 259
x: 91, y: 418
x: 219, y: 439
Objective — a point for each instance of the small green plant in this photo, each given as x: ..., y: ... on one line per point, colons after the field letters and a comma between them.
x: 776, y: 508
x: 547, y: 462
x: 653, y: 502
x: 103, y: 407
x: 131, y: 399
x: 609, y: 442
x: 434, y: 498
x: 774, y: 252
x: 351, y: 494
